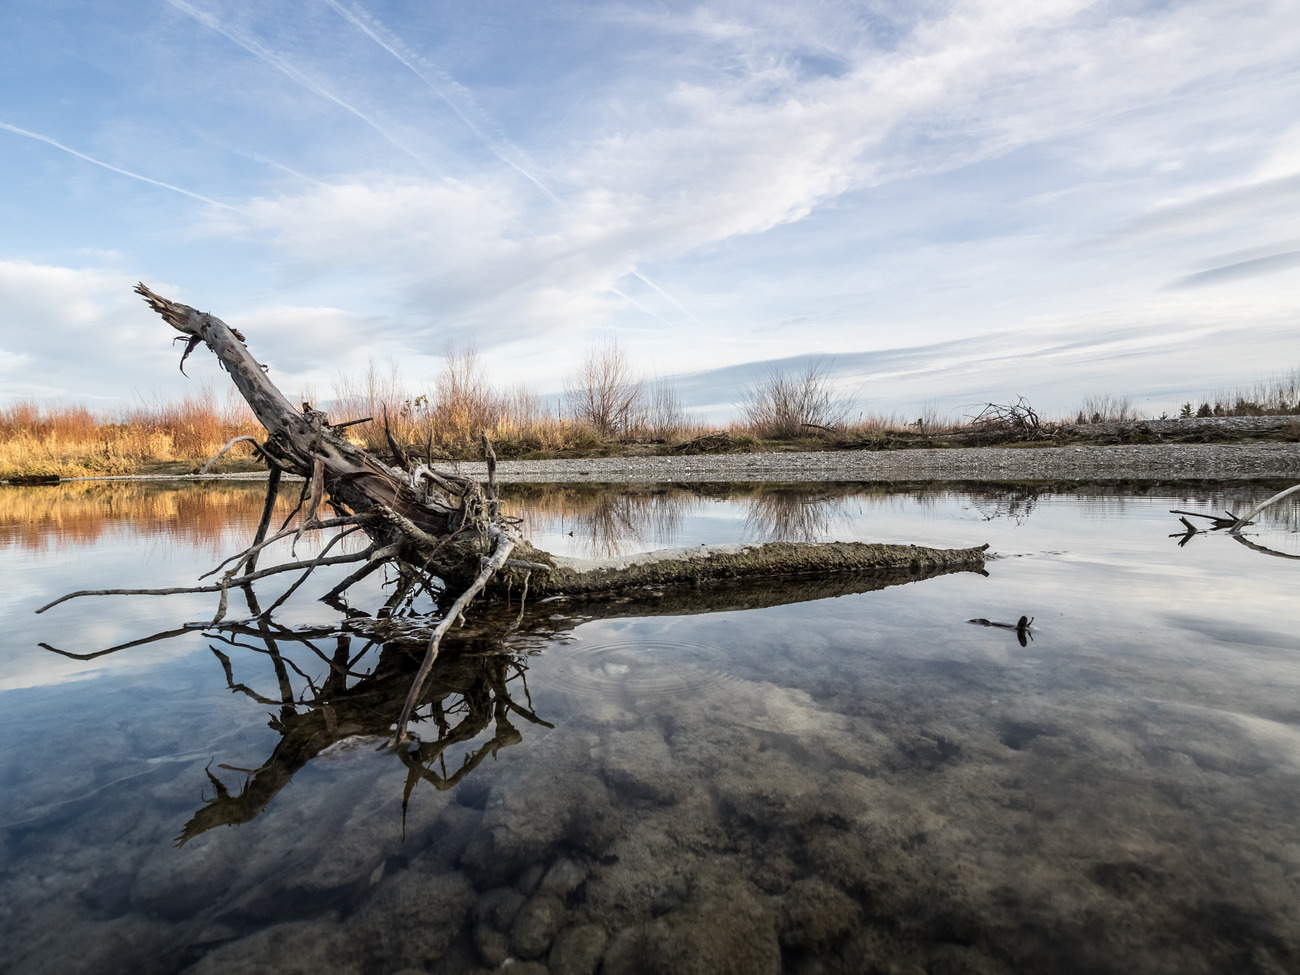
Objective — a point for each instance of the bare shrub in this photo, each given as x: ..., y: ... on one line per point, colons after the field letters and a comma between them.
x: 1278, y: 395
x: 786, y: 405
x: 70, y: 440
x: 378, y: 393
x: 605, y: 391
x: 465, y: 403
x: 1106, y: 408
x: 663, y: 417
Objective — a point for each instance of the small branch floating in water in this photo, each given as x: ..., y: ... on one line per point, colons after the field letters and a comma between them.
x: 1022, y: 626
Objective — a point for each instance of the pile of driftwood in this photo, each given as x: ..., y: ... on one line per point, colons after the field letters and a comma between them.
x: 446, y: 534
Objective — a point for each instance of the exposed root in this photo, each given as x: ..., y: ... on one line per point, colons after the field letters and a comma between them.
x: 504, y: 546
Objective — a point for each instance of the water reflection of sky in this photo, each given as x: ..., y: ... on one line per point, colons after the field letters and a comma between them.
x: 1151, y: 720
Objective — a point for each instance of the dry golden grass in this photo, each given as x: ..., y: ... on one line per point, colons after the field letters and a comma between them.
x: 75, y: 441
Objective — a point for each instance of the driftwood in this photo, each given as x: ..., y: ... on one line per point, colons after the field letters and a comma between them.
x: 444, y: 533
x: 1233, y: 523
x: 1024, y: 627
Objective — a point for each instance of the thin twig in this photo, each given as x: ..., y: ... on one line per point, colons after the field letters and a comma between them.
x: 311, y: 568
x: 181, y: 590
x: 351, y: 580
x: 360, y: 519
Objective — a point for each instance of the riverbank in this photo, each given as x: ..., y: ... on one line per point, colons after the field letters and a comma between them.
x: 1137, y: 462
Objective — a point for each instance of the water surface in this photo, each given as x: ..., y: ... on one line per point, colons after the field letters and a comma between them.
x: 808, y: 776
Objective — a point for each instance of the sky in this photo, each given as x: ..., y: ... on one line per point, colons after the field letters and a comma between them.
x: 948, y: 203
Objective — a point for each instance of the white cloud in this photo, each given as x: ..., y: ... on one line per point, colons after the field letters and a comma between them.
x: 733, y: 165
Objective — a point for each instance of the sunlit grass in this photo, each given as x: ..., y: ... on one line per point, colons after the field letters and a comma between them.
x: 76, y: 441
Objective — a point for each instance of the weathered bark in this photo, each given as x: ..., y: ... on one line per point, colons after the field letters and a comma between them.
x: 695, y: 566
x: 420, y: 516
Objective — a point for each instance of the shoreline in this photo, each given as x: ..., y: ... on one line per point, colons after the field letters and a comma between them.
x: 1151, y: 462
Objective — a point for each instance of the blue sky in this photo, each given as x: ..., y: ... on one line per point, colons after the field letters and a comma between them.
x: 960, y: 201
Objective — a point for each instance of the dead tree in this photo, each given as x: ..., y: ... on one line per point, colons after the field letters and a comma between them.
x: 446, y: 533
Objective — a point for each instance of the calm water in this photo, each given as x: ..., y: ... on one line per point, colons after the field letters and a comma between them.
x: 810, y: 777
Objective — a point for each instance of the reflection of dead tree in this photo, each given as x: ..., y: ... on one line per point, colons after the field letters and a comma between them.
x: 441, y: 532
x: 463, y: 697
x: 1233, y: 523
x: 482, y: 686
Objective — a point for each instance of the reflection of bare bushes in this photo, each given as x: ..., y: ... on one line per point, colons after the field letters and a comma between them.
x: 1014, y: 506
x: 608, y: 520
x: 790, y: 516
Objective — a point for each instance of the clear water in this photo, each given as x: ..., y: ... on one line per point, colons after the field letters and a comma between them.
x: 808, y: 776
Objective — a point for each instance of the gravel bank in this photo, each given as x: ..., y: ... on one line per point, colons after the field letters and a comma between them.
x: 1147, y: 462
x: 1139, y: 462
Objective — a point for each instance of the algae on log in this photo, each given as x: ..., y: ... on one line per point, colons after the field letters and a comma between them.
x: 446, y: 534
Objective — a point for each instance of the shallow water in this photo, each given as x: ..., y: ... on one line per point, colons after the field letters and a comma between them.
x: 811, y: 776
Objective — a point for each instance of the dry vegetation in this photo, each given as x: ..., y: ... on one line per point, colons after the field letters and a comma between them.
x: 608, y: 407
x: 75, y: 441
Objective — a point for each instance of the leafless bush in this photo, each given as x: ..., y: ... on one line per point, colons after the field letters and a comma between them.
x: 785, y: 405
x: 662, y: 415
x: 605, y: 391
x: 1106, y: 408
x: 1279, y: 395
x: 465, y: 403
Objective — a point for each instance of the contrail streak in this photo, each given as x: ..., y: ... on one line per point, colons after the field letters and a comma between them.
x: 640, y: 307
x: 492, y: 145
x: 116, y: 169
x: 495, y: 146
x: 664, y: 294
x: 257, y: 50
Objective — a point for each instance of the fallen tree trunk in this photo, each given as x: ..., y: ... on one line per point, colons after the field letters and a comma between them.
x: 696, y: 566
x: 446, y: 532
x: 445, y: 524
